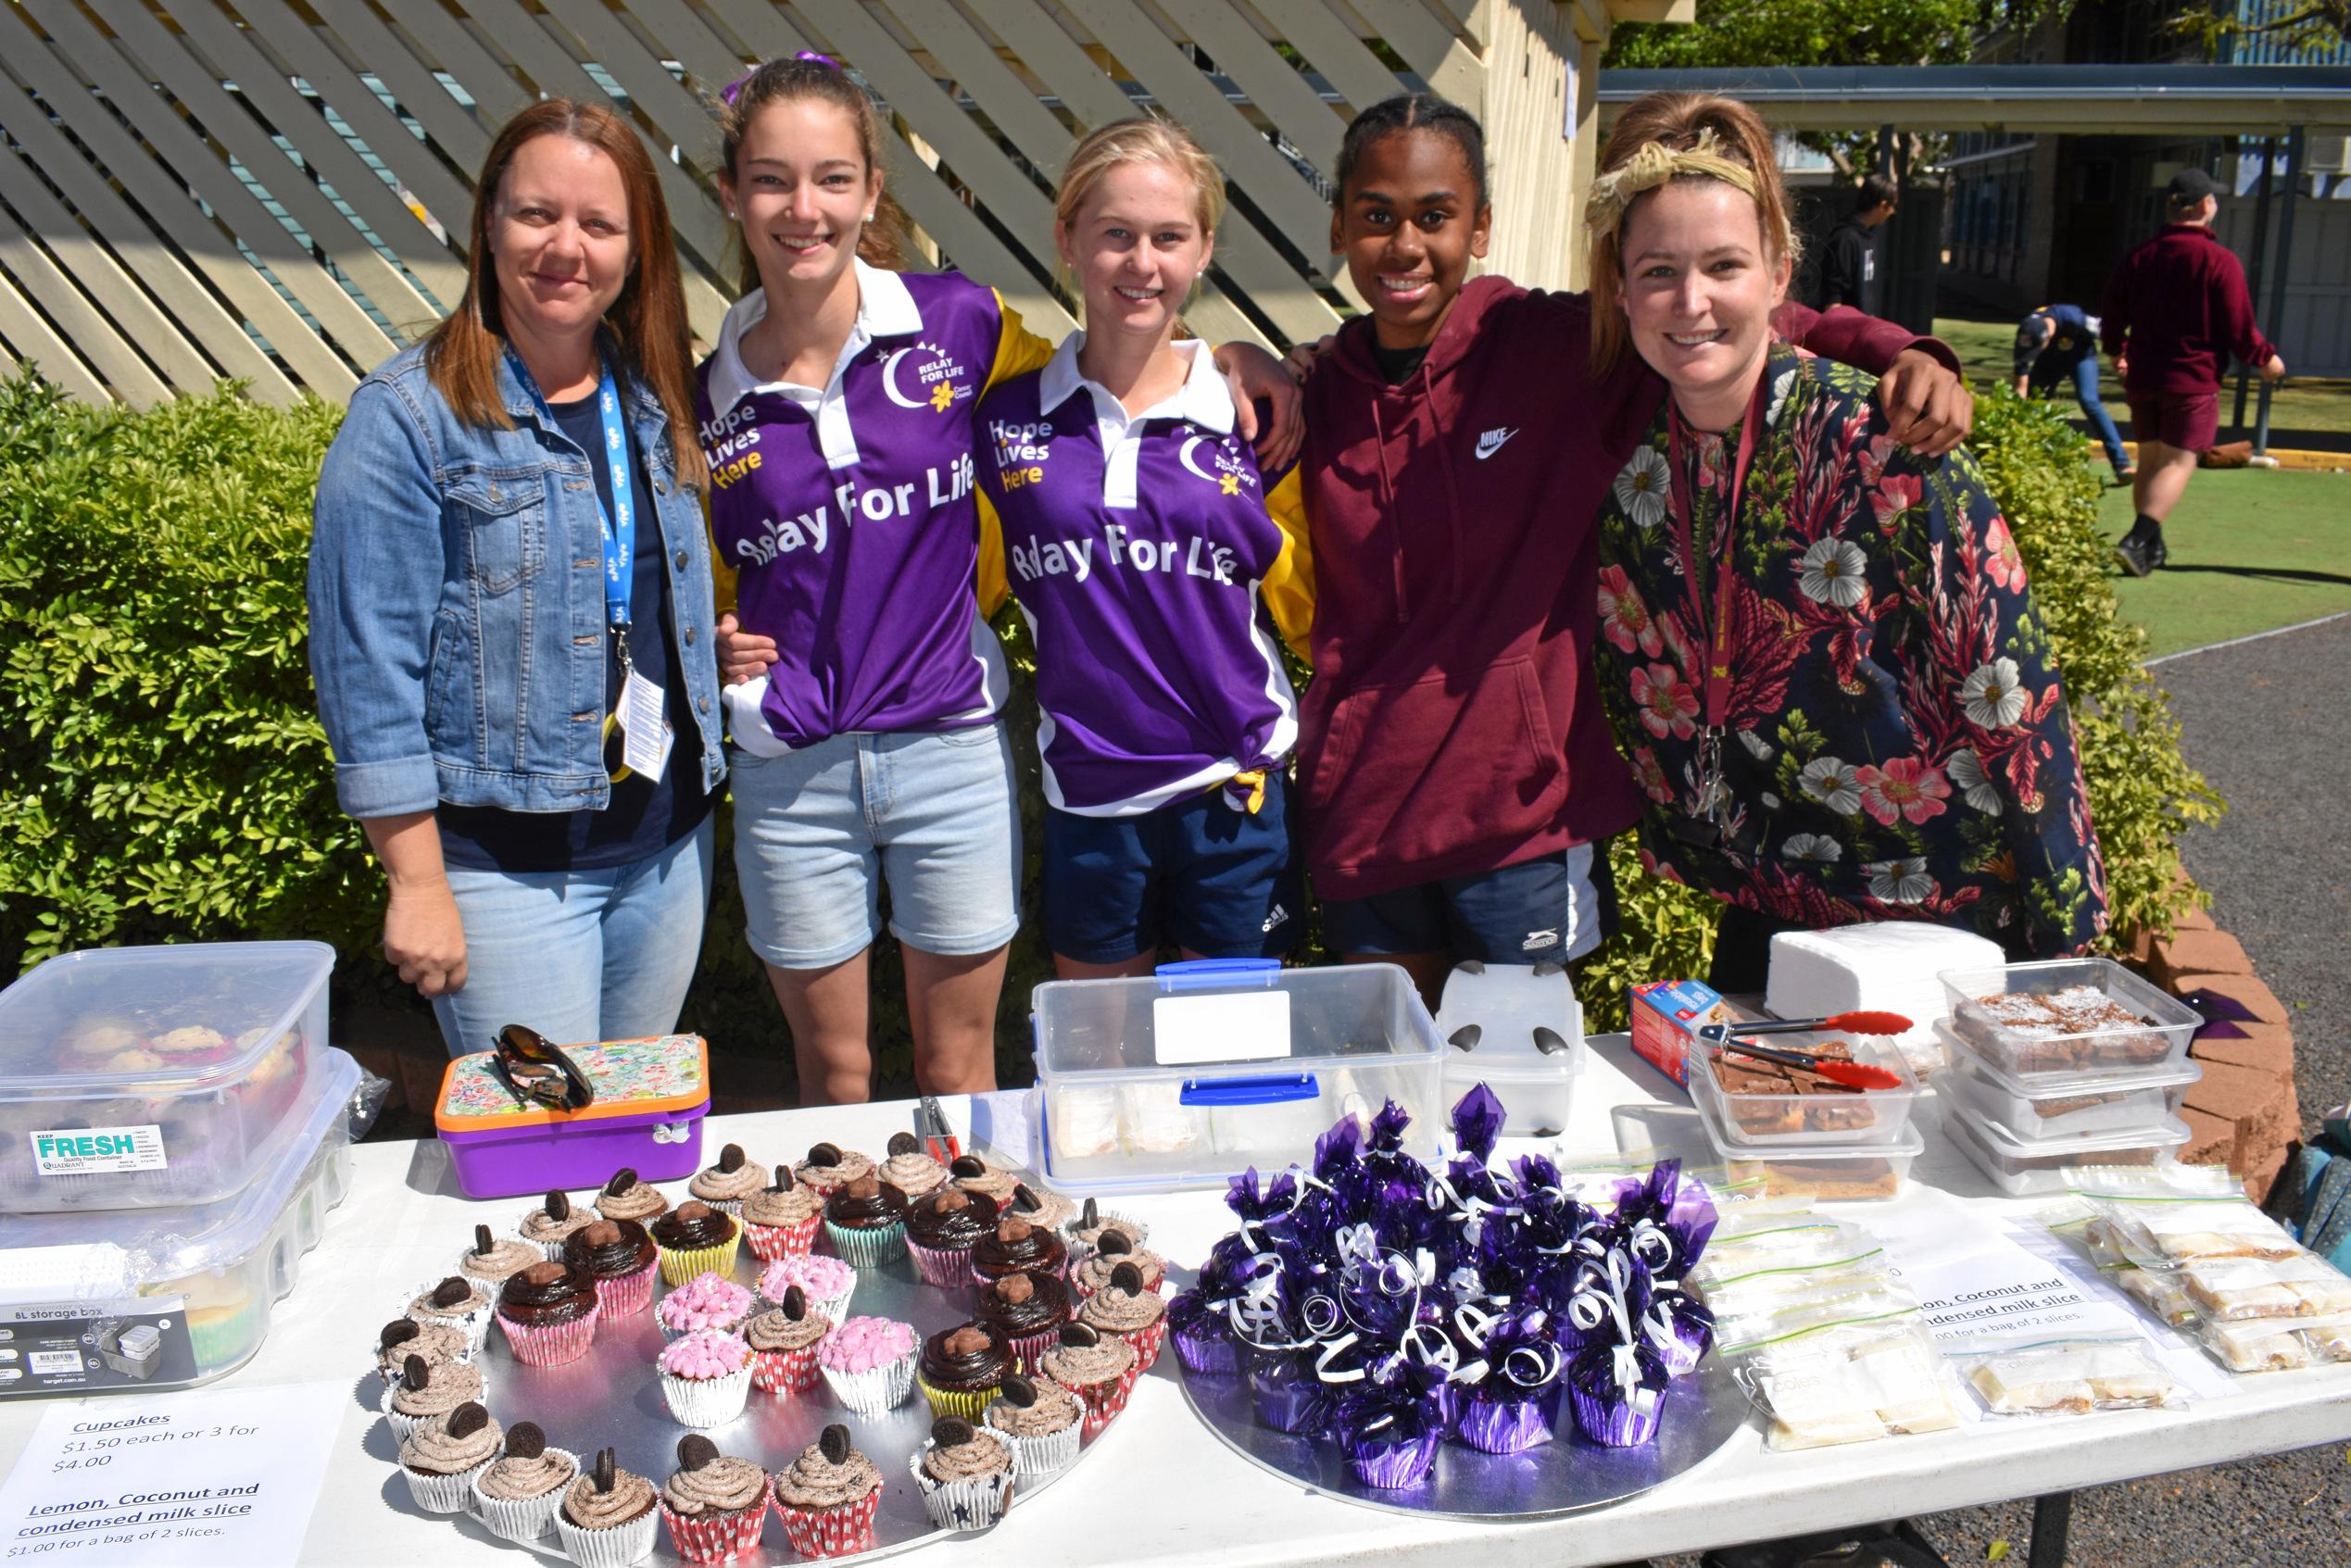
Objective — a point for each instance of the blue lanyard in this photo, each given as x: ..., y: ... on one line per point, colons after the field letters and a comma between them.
x: 619, y: 523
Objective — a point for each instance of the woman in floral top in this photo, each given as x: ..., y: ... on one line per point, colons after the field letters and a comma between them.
x: 1817, y: 648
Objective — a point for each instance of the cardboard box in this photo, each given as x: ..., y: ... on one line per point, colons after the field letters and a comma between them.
x: 1666, y: 1016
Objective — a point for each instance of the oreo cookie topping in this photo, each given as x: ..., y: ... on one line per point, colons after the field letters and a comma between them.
x: 695, y: 1450
x: 824, y: 1154
x: 481, y: 1241
x: 1127, y: 1277
x: 1025, y: 1201
x: 609, y: 1248
x: 833, y: 1442
x: 782, y: 1182
x: 693, y: 1225
x: 1113, y: 1243
x: 557, y: 1206
x: 524, y: 1440
x: 904, y: 1142
x: 450, y: 1292
x: 415, y: 1372
x: 468, y: 1419
x: 399, y: 1331
x: 866, y: 1203
x: 1019, y: 1390
x: 967, y: 1165
x: 795, y: 1302
x: 730, y: 1160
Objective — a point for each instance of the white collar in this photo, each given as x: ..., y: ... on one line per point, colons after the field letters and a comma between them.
x: 1205, y: 398
x: 886, y: 307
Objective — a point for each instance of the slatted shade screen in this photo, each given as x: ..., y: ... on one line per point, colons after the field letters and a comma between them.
x: 275, y: 190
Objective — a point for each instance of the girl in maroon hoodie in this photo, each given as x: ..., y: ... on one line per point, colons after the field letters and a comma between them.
x: 1455, y: 769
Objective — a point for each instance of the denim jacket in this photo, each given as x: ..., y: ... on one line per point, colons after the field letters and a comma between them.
x: 457, y: 603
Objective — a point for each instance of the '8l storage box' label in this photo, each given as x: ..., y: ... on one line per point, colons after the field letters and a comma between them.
x: 92, y: 1151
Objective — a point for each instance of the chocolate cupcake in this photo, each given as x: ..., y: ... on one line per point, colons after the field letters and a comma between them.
x: 625, y: 1198
x: 552, y: 1223
x: 829, y: 1167
x: 622, y: 1259
x: 714, y: 1503
x: 1017, y: 1246
x: 828, y: 1495
x: 942, y: 1227
x: 866, y: 1220
x: 549, y: 1312
x: 608, y: 1517
x: 492, y: 1258
x: 694, y: 1238
x: 961, y: 1369
x: 1100, y: 1369
x: 444, y: 1454
x: 781, y: 1219
x: 910, y: 1170
x: 1041, y: 1419
x: 1128, y: 1308
x: 518, y: 1495
x: 783, y: 1341
x: 1026, y: 1308
x: 965, y: 1473
x: 725, y: 1185
x: 971, y: 1173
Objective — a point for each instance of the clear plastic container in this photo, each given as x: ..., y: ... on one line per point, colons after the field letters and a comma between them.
x: 2033, y: 1045
x: 2066, y: 1108
x: 1834, y: 1117
x: 1518, y: 1030
x: 2028, y: 1169
x: 141, y: 1077
x: 1189, y: 1077
x: 205, y: 1279
x: 1828, y: 1172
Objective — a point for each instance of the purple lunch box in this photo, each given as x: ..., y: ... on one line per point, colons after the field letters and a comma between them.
x: 650, y: 1098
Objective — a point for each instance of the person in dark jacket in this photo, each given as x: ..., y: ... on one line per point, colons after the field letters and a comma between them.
x: 2175, y: 310
x: 2057, y: 345
x: 1851, y: 272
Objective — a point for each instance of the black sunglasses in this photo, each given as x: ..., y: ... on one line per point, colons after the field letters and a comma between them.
x: 538, y: 1072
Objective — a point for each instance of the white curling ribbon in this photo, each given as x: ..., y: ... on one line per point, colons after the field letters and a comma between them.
x: 1464, y: 1283
x: 1358, y: 1246
x: 1531, y: 1366
x: 1321, y: 1314
x: 1588, y: 1311
x: 1329, y: 1353
x: 1416, y: 1341
x: 1475, y: 1323
x: 1649, y: 1244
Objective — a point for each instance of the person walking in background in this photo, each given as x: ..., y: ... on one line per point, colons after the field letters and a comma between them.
x: 2058, y: 345
x: 2175, y: 310
x: 1850, y: 270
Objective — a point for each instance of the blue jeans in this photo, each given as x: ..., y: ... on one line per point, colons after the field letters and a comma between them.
x: 579, y: 956
x: 2085, y: 392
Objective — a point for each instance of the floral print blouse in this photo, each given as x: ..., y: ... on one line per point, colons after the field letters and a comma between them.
x: 1895, y: 744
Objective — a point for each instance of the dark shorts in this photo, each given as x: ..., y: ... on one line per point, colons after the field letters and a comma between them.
x: 2189, y: 420
x: 1543, y: 911
x: 1219, y: 882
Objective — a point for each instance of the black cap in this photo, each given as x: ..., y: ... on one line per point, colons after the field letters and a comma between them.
x: 2190, y: 186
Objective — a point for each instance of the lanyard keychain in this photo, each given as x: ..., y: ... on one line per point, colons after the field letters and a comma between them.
x: 1714, y: 792
x: 642, y: 714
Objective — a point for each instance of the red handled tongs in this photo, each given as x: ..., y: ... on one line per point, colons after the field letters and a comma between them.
x: 930, y: 1125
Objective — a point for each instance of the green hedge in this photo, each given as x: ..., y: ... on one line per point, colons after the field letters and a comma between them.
x: 166, y: 777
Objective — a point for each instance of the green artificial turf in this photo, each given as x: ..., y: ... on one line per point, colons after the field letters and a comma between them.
x: 2251, y: 550
x: 1986, y: 349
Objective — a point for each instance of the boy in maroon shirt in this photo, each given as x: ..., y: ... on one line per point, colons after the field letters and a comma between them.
x: 2176, y: 309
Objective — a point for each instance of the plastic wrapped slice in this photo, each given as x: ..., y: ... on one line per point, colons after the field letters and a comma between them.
x: 1854, y: 1383
x: 2234, y: 1290
x: 1814, y: 1243
x: 2066, y: 1377
x: 2160, y: 1291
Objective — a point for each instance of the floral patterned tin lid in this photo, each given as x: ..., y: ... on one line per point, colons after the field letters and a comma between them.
x: 631, y: 1078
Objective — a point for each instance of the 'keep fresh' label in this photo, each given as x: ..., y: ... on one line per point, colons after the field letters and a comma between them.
x: 84, y: 1151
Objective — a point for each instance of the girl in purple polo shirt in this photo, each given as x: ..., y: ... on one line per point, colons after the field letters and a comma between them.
x: 1155, y: 560
x: 837, y: 412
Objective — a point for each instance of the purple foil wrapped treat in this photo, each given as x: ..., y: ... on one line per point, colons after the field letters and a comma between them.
x: 1288, y: 1396
x: 1389, y: 1426
x: 1202, y: 1333
x: 1617, y: 1393
x: 1680, y: 1327
x: 1515, y: 1405
x: 1666, y: 1221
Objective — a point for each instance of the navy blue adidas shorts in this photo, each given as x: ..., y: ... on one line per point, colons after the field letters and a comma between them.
x: 1222, y: 883
x: 1544, y: 910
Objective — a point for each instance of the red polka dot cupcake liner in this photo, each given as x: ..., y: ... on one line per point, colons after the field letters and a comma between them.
x: 770, y: 1242
x: 831, y: 1531
x: 786, y: 1371
x: 714, y: 1537
x: 1104, y: 1400
x: 1147, y: 1342
x: 629, y: 1293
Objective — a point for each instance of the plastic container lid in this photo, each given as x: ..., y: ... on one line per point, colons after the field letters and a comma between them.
x: 249, y: 993
x: 102, y: 1254
x: 2026, y: 1168
x: 2034, y: 1051
x: 1909, y: 1143
x: 2063, y: 1085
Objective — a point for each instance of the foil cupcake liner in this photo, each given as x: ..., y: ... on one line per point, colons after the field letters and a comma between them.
x: 1207, y: 1352
x: 1393, y: 1463
x: 615, y: 1545
x: 680, y: 1265
x: 522, y: 1519
x: 1043, y: 1454
x: 714, y: 1537
x: 770, y: 1242
x: 475, y: 1325
x: 1508, y: 1426
x: 874, y: 1391
x: 629, y: 1293
x: 551, y: 1344
x: 839, y: 1531
x: 1614, y: 1422
x: 974, y: 1504
x: 443, y: 1494
x: 784, y: 1372
x: 956, y: 1401
x: 869, y: 1247
x: 403, y: 1424
x: 1289, y: 1404
x: 707, y: 1402
x: 949, y: 1268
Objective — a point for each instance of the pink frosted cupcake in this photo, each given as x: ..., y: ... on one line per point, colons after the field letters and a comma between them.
x: 706, y: 1377
x: 828, y: 1283
x: 715, y: 1505
x: 783, y: 1342
x: 549, y: 1312
x: 622, y: 1259
x: 707, y: 1300
x: 828, y: 1495
x: 781, y: 1220
x: 1094, y: 1272
x: 1123, y: 1307
x: 870, y: 1363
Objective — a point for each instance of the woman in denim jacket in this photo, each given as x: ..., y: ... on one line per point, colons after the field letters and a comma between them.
x: 510, y: 610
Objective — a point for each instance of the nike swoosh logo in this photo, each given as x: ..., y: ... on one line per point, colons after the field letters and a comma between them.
x: 1492, y: 442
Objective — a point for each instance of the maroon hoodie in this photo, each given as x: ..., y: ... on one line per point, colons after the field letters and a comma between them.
x: 2177, y: 307
x: 1452, y: 726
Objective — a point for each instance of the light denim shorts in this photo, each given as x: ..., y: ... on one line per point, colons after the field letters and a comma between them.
x: 819, y: 829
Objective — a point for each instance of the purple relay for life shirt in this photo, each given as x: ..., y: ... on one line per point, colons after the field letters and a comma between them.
x: 847, y: 518
x: 1153, y: 575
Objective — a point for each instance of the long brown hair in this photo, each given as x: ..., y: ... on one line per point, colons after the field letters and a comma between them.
x: 1679, y: 120
x: 881, y: 242
x: 646, y: 323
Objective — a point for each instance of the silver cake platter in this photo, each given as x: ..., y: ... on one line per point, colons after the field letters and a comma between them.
x: 1569, y: 1474
x: 612, y: 1398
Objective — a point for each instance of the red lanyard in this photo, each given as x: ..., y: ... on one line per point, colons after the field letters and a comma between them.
x: 1717, y: 681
